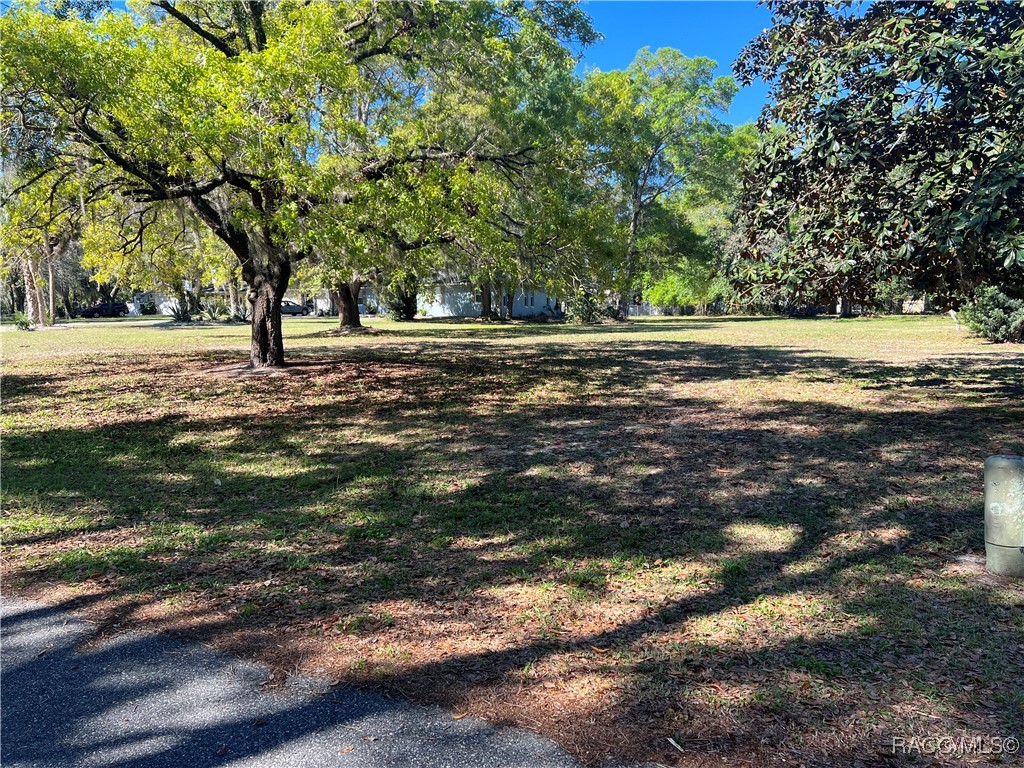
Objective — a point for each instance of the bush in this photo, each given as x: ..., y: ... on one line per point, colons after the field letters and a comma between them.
x: 147, y: 308
x: 214, y: 310
x: 889, y: 296
x: 180, y: 314
x: 396, y: 309
x: 611, y: 312
x: 582, y: 309
x: 241, y: 312
x: 21, y: 322
x: 997, y: 313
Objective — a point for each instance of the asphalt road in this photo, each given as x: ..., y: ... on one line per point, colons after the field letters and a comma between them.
x: 149, y: 701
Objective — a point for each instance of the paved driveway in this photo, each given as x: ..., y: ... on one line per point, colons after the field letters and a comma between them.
x: 150, y: 701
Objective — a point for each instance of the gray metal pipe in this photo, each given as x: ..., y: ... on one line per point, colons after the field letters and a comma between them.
x: 1004, y: 515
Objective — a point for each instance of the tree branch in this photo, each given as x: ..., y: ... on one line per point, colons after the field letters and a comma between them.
x: 219, y: 43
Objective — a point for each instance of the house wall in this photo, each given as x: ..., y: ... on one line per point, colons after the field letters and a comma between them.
x: 916, y: 306
x: 446, y: 301
x: 164, y: 304
x: 324, y: 304
x: 460, y: 301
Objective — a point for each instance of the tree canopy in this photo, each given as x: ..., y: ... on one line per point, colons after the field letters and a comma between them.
x: 651, y: 127
x: 258, y: 116
x: 892, y: 146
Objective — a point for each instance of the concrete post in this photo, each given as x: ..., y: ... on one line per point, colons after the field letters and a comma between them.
x: 1004, y: 515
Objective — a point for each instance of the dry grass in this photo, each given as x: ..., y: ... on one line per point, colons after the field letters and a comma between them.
x: 758, y: 537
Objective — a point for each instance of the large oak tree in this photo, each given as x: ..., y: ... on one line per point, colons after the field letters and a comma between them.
x: 243, y: 111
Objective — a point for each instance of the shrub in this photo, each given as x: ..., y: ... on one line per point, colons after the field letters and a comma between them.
x: 582, y: 309
x: 241, y: 312
x: 395, y: 309
x: 611, y: 312
x: 216, y: 309
x: 21, y: 322
x: 147, y: 308
x: 997, y: 313
x: 180, y: 313
x: 889, y: 296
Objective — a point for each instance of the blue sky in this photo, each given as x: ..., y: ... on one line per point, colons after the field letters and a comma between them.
x: 714, y: 28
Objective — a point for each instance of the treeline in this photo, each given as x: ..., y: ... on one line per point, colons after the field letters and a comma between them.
x: 339, y: 143
x: 335, y: 144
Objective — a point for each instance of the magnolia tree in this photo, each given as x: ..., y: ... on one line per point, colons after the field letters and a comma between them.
x: 891, y: 149
x: 242, y: 112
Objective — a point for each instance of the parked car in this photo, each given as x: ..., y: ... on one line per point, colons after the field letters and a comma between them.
x: 806, y: 310
x: 291, y: 308
x: 105, y: 309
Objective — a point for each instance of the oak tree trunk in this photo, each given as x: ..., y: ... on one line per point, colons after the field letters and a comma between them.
x: 346, y: 296
x: 267, y: 286
x: 50, y: 287
x: 232, y: 297
x: 266, y: 269
x: 407, y: 296
x: 485, y: 300
x: 626, y: 294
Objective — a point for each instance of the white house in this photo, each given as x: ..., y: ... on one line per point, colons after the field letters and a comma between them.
x: 449, y: 300
x: 463, y: 300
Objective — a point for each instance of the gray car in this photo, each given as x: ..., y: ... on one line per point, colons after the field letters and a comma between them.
x: 291, y: 308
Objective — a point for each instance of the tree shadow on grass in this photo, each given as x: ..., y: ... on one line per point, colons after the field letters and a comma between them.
x: 742, y: 571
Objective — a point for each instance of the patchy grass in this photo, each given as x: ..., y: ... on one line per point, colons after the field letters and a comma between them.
x: 758, y: 537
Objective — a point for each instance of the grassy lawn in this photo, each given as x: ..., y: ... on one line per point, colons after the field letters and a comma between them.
x: 759, y: 537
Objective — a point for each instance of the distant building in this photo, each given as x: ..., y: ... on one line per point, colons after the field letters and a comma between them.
x: 463, y: 300
x: 917, y: 306
x: 458, y: 299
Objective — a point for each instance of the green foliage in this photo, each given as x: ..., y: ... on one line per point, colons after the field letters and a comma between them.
x: 891, y: 149
x: 346, y: 137
x: 214, y: 310
x: 241, y: 312
x: 147, y: 308
x: 582, y: 309
x: 180, y: 313
x: 21, y: 322
x: 996, y: 313
x: 652, y: 128
x: 689, y: 283
x: 395, y: 309
x: 888, y: 295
